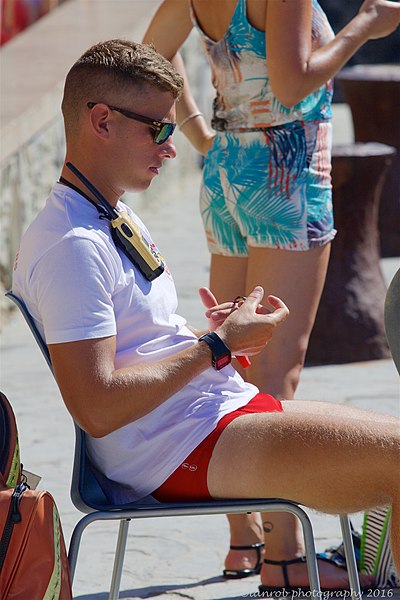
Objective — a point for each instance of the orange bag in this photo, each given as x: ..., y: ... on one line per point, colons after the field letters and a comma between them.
x: 10, y: 466
x: 33, y: 559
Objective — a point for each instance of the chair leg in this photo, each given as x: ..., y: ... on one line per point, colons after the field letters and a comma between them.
x: 350, y: 558
x: 119, y: 559
x: 75, y: 543
x: 309, y: 549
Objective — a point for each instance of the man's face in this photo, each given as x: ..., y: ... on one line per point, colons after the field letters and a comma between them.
x: 137, y: 159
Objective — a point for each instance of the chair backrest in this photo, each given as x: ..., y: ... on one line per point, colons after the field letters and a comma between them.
x: 86, y: 493
x: 31, y: 324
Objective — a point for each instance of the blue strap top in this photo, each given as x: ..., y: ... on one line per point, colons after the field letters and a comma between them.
x: 239, y: 68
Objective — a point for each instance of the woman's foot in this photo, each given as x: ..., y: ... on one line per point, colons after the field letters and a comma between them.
x: 246, y: 531
x: 247, y: 566
x: 331, y: 576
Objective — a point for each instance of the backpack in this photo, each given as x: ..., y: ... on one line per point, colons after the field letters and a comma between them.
x: 10, y: 466
x: 33, y: 558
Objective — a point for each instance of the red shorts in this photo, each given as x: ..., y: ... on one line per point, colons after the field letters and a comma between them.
x: 189, y: 481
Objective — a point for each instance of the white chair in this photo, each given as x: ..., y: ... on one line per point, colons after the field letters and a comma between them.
x: 88, y: 498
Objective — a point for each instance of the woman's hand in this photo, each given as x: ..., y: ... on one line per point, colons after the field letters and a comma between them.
x: 385, y: 17
x: 207, y: 143
x: 197, y: 131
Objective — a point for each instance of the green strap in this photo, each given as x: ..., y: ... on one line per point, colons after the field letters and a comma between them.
x: 380, y: 545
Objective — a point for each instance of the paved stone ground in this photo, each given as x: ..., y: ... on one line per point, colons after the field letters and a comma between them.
x: 175, y: 557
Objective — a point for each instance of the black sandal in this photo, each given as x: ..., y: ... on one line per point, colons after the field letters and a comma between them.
x: 287, y: 587
x: 242, y: 573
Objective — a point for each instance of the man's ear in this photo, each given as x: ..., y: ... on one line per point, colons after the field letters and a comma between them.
x: 99, y: 119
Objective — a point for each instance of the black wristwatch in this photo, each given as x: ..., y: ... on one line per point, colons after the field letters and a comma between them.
x: 221, y: 355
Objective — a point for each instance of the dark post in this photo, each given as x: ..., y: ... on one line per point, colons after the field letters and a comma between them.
x: 350, y: 326
x: 373, y: 94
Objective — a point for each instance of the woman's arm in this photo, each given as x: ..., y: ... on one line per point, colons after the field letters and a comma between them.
x: 168, y: 30
x: 296, y: 70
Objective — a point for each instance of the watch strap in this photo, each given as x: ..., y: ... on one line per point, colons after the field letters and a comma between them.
x: 221, y: 355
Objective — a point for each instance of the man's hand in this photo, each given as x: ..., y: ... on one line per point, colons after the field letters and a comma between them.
x: 217, y: 313
x: 250, y: 327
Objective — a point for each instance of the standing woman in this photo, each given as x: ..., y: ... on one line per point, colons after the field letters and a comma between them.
x: 266, y: 197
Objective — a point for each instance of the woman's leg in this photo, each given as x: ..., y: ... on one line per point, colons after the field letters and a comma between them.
x: 298, y: 279
x: 228, y: 280
x: 327, y: 457
x: 228, y: 276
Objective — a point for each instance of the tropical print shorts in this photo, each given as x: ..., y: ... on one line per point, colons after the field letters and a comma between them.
x: 268, y: 188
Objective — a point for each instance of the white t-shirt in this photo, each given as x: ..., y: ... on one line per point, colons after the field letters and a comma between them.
x: 77, y: 285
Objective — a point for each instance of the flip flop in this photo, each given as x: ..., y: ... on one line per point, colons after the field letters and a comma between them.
x: 242, y: 573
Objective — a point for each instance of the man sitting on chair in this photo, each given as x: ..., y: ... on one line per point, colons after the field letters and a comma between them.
x: 165, y: 412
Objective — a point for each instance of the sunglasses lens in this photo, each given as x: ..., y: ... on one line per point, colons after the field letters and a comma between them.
x: 163, y: 134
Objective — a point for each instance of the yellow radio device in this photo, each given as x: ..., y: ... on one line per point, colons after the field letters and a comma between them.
x: 125, y: 233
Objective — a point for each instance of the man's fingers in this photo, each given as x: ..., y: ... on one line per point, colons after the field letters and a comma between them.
x: 207, y: 297
x: 220, y: 314
x: 255, y: 297
x: 280, y: 312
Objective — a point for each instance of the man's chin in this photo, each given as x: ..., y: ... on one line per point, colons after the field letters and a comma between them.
x: 136, y: 187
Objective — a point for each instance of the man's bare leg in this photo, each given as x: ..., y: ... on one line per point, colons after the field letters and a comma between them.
x: 331, y: 458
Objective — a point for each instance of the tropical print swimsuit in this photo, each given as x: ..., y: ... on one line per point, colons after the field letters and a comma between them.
x: 266, y: 179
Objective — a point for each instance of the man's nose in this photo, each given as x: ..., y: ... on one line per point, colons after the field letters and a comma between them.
x: 168, y: 149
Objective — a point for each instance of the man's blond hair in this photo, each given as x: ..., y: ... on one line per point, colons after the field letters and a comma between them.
x: 110, y: 69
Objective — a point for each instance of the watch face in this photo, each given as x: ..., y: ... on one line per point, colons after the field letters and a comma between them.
x: 222, y: 361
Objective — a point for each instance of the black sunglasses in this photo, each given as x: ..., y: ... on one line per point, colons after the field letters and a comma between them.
x: 162, y: 130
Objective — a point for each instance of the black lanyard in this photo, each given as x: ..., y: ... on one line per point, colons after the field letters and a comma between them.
x: 102, y: 211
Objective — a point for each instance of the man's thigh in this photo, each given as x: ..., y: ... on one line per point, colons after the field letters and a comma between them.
x: 325, y: 456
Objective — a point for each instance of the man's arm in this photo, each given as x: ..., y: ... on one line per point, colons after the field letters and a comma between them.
x: 102, y: 398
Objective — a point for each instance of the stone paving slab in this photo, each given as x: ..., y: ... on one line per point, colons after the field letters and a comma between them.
x: 170, y: 557
x: 173, y: 557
